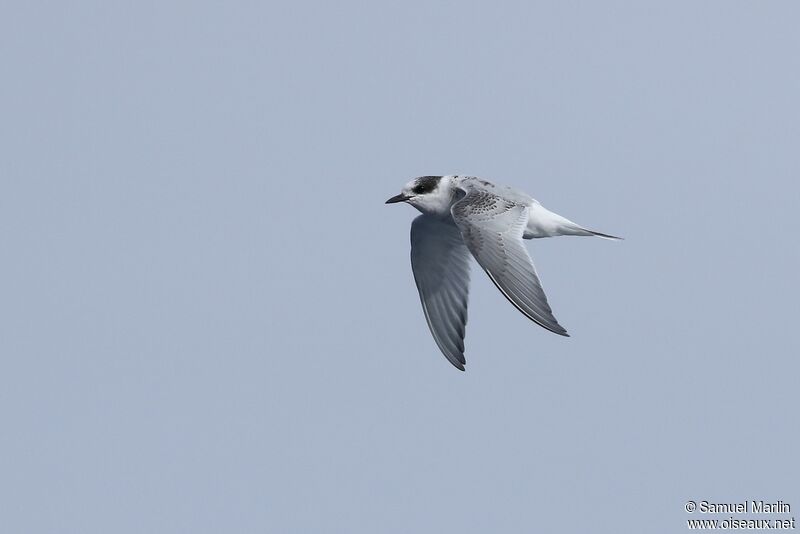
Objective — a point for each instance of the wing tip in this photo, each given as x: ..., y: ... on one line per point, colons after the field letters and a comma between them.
x: 556, y: 329
x: 458, y: 361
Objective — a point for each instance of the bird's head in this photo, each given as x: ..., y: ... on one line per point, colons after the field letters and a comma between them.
x: 429, y: 194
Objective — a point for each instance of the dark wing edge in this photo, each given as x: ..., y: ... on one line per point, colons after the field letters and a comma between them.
x: 440, y: 262
x: 492, y: 230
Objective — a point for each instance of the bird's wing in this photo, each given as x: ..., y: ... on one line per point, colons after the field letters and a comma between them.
x: 440, y: 261
x: 492, y: 228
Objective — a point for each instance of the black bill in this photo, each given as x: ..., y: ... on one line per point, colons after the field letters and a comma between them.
x: 397, y: 198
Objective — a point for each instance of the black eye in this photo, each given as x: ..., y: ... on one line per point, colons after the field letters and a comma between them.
x: 421, y: 189
x: 425, y: 184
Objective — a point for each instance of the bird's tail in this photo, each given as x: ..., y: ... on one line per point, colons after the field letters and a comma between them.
x: 604, y: 236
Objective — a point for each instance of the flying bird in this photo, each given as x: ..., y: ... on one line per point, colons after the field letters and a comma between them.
x: 463, y: 216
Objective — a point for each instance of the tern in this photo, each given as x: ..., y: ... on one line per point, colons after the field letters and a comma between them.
x: 463, y: 216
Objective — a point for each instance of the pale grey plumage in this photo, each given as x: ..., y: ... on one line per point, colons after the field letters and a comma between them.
x: 492, y: 229
x: 440, y: 262
x: 463, y: 215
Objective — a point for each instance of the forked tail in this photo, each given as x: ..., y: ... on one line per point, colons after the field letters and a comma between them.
x: 604, y: 236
